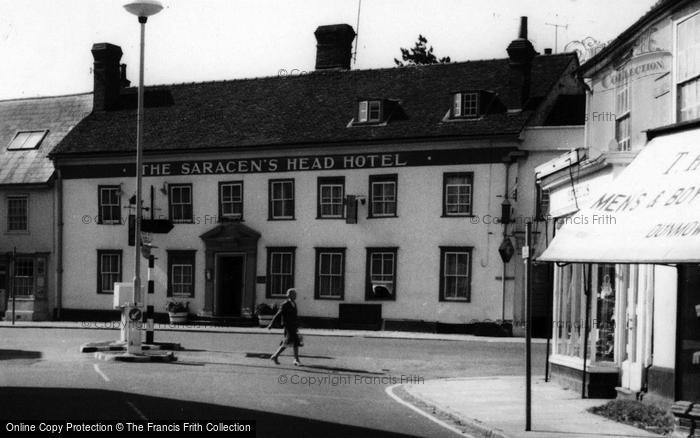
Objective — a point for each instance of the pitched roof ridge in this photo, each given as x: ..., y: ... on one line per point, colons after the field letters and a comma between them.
x: 544, y: 55
x: 18, y: 99
x: 317, y: 73
x: 335, y: 71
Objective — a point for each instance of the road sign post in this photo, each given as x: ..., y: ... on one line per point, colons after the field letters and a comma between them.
x: 527, y: 255
x: 133, y: 328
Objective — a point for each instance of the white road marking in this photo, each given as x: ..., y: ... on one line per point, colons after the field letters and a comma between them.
x: 390, y: 392
x: 138, y: 412
x: 98, y: 371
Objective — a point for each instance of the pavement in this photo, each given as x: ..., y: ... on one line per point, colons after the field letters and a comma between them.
x: 111, y: 325
x: 495, y: 407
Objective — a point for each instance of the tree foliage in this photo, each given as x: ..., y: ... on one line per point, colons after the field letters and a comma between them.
x: 420, y: 54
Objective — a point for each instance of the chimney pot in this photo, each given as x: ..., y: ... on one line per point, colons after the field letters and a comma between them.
x: 106, y: 76
x: 548, y: 51
x: 523, y: 28
x: 334, y: 46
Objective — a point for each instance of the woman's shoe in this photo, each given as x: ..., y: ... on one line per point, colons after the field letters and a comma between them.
x: 296, y: 363
x: 274, y: 359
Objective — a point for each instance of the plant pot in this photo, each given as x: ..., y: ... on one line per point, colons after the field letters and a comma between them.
x: 177, y: 317
x: 264, y: 320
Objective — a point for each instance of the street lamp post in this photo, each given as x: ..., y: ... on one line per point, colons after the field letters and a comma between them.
x: 142, y: 9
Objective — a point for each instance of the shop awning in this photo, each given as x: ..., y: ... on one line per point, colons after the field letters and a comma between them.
x: 650, y: 213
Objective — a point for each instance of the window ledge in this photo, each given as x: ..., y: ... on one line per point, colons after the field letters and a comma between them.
x: 577, y: 364
x: 382, y: 217
x: 17, y: 233
x: 459, y: 215
x: 450, y: 119
x: 19, y: 298
x: 355, y: 124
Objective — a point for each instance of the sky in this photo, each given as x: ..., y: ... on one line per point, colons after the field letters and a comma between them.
x: 45, y: 44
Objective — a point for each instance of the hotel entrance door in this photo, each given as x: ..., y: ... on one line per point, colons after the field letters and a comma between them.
x: 230, y: 281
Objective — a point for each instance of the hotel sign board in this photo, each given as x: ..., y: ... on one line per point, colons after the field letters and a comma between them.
x: 292, y: 163
x: 650, y: 213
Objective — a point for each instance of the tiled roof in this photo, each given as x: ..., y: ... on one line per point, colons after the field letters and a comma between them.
x: 57, y: 114
x: 313, y: 108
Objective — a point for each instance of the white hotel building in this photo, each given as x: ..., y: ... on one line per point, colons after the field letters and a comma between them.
x: 376, y: 193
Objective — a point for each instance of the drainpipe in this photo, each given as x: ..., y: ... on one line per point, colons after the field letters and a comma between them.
x: 587, y: 125
x: 505, y: 232
x: 59, y: 244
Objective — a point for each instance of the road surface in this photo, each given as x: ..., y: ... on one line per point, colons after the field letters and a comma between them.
x: 339, y: 391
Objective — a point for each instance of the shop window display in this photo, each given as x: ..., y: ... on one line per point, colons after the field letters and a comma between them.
x: 605, y: 317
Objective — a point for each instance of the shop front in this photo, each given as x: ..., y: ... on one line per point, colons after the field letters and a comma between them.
x: 24, y: 286
x: 631, y: 249
x: 584, y: 295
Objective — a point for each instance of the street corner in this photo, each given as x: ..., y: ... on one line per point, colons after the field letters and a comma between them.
x: 146, y: 356
x: 441, y: 414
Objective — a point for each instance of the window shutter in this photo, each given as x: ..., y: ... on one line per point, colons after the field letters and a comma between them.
x: 362, y: 111
x: 457, y: 104
x: 351, y: 201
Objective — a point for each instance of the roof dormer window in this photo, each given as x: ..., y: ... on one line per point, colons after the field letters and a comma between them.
x: 465, y: 104
x: 25, y: 140
x: 369, y: 111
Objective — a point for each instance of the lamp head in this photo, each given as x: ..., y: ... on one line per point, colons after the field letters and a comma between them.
x: 144, y: 8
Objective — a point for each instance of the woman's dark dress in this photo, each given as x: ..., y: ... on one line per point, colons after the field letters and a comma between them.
x: 290, y: 322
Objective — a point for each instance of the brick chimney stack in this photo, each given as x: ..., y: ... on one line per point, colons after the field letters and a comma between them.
x: 334, y: 46
x: 521, y: 53
x: 107, y: 76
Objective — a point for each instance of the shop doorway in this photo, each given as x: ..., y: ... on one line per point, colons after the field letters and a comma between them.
x: 688, y: 333
x: 542, y: 290
x: 230, y: 283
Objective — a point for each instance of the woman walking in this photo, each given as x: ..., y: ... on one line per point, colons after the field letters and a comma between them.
x: 288, y: 313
